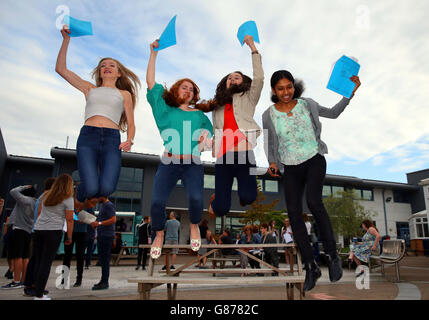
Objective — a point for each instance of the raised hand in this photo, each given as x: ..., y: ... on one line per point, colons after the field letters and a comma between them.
x: 356, y: 81
x: 65, y: 32
x: 153, y: 45
x: 249, y: 41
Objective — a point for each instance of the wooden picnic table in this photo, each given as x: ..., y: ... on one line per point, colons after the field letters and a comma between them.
x: 145, y: 284
x: 116, y: 257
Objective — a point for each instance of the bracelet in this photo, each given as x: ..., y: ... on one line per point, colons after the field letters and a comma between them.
x: 255, y: 52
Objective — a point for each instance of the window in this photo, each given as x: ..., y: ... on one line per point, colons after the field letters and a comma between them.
x: 235, y: 185
x: 368, y: 195
x: 326, y: 192
x: 209, y: 181
x: 363, y: 194
x: 231, y: 223
x: 128, y: 191
x: 401, y: 196
x: 335, y: 190
x: 271, y: 186
x: 422, y: 228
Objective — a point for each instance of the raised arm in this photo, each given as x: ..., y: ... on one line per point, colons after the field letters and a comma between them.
x: 336, y: 110
x: 16, y: 193
x: 61, y: 66
x: 258, y: 72
x: 150, y: 73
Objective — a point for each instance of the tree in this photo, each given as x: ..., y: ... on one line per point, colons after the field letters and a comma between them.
x: 259, y: 210
x: 346, y: 214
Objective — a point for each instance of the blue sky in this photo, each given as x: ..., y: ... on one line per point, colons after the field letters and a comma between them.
x: 381, y: 135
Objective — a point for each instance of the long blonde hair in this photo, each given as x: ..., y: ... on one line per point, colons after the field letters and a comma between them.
x: 60, y: 190
x: 127, y: 81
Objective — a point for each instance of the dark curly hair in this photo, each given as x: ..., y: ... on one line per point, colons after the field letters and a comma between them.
x: 283, y: 74
x: 224, y: 95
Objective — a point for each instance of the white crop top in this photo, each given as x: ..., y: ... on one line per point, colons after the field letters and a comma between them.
x: 105, y: 101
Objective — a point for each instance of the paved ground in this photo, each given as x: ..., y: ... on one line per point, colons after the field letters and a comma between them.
x: 414, y: 285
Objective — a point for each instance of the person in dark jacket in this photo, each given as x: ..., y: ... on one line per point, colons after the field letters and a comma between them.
x: 144, y: 231
x: 271, y: 256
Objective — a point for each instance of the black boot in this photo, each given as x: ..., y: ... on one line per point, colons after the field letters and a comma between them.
x: 78, y: 283
x: 335, y: 267
x: 311, y: 275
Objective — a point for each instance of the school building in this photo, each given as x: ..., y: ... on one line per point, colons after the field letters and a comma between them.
x: 401, y: 208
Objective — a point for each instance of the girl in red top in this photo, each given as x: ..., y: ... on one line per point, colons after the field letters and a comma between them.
x: 235, y: 134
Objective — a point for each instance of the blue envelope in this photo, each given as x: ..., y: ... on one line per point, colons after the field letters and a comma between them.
x: 77, y: 27
x: 343, y: 70
x: 168, y: 37
x: 248, y: 28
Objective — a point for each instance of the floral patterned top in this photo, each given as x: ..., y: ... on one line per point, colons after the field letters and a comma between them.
x: 296, y: 134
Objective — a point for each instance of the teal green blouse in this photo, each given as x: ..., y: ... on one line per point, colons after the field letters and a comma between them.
x: 296, y: 134
x: 180, y: 130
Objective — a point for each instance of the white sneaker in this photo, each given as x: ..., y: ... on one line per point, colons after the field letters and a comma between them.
x: 45, y: 297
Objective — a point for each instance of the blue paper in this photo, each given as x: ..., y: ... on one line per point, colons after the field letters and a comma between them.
x: 75, y: 217
x: 77, y: 27
x: 248, y: 28
x: 339, y: 81
x: 168, y: 37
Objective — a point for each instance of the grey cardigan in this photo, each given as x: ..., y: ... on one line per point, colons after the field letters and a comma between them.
x: 271, y: 146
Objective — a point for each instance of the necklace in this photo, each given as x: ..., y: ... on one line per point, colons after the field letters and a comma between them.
x: 289, y: 113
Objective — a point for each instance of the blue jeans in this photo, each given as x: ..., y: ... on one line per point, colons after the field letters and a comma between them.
x: 104, y: 253
x: 99, y: 162
x: 234, y: 164
x: 167, y: 175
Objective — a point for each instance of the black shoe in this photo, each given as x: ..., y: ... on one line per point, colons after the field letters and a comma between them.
x: 31, y: 292
x: 9, y: 274
x: 335, y: 267
x: 164, y: 268
x: 138, y: 267
x: 360, y: 273
x: 78, y: 283
x: 172, y: 267
x: 100, y: 286
x: 87, y: 267
x: 143, y: 269
x: 311, y: 275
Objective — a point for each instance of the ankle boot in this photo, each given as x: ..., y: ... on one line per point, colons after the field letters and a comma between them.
x: 335, y: 267
x: 311, y: 275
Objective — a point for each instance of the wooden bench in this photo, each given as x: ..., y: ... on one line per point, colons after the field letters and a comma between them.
x: 145, y: 284
x: 223, y: 259
x: 116, y: 257
x: 291, y: 280
x: 393, y: 252
x: 241, y: 271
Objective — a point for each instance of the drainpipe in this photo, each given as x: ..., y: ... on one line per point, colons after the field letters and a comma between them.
x: 385, y: 215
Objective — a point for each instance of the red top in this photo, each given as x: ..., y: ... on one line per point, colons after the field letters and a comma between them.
x: 232, y: 136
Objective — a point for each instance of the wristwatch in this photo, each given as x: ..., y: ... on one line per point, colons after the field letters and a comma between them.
x: 99, y: 223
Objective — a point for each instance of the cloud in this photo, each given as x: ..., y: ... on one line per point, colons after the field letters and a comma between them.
x: 389, y: 111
